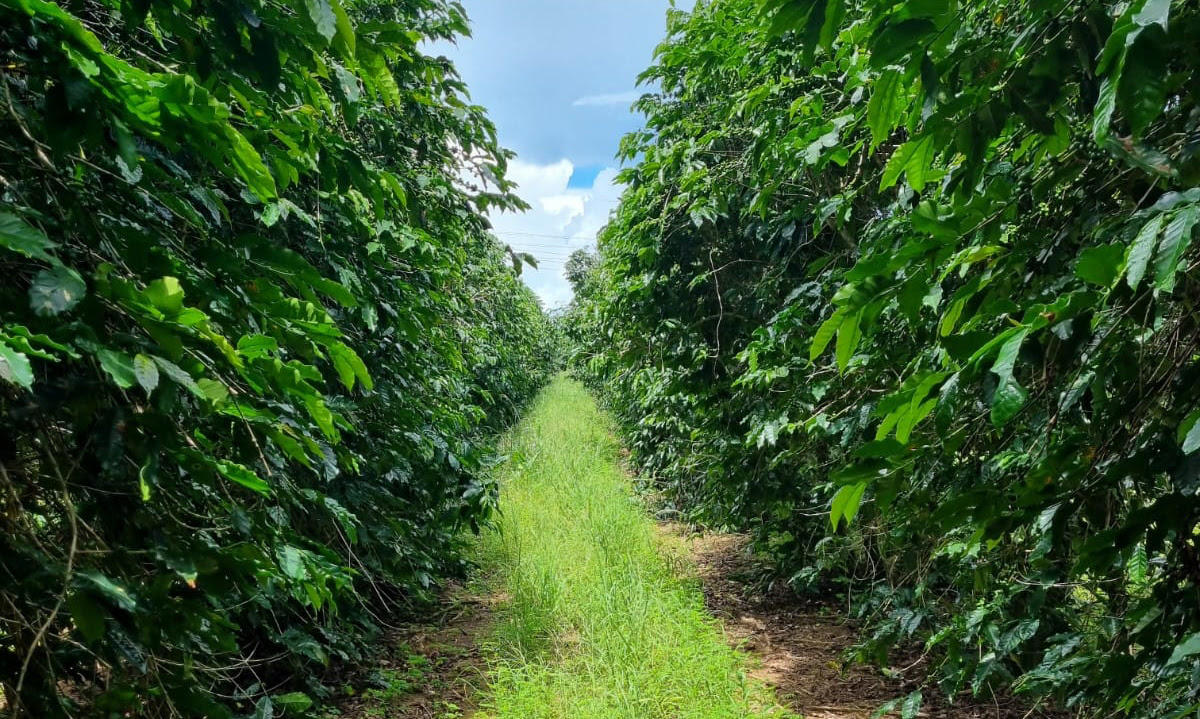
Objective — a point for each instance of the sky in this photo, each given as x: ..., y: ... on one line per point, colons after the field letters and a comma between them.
x: 558, y: 78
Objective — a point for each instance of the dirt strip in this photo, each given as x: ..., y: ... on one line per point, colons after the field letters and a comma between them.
x: 431, y: 670
x: 798, y: 646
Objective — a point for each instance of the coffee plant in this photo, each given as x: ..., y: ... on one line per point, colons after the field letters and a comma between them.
x: 254, y: 339
x: 907, y: 288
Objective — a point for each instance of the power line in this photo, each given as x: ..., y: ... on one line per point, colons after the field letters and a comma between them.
x: 543, y: 243
x: 564, y: 251
x: 552, y: 237
x: 548, y: 250
x: 541, y: 253
x: 549, y: 246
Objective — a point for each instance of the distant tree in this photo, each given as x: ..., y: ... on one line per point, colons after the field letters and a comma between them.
x: 579, y: 267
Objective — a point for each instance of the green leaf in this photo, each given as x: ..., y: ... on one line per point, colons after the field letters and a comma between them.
x: 914, y: 158
x: 294, y: 701
x: 889, y: 100
x: 56, y: 290
x: 380, y: 76
x: 846, y: 503
x: 322, y: 416
x: 911, y: 706
x: 1142, y: 89
x: 19, y: 236
x: 849, y: 333
x: 146, y: 475
x: 119, y: 366
x: 291, y: 561
x: 270, y: 214
x: 1189, y: 433
x: 825, y: 334
x: 950, y: 318
x: 215, y: 392
x: 1142, y: 250
x: 912, y: 294
x: 87, y: 616
x: 255, y: 346
x: 324, y: 21
x: 177, y: 375
x: 23, y: 340
x: 110, y: 589
x: 264, y: 709
x: 1101, y: 265
x: 1138, y: 566
x: 897, y: 40
x: 336, y: 291
x: 349, y: 366
x: 1106, y: 105
x: 344, y: 39
x: 291, y: 447
x: 879, y: 449
x: 1187, y: 648
x: 835, y: 17
x: 349, y: 93
x: 914, y: 414
x: 250, y: 166
x: 15, y: 367
x: 166, y: 295
x: 1009, y: 397
x: 1153, y: 12
x: 1006, y: 358
x: 768, y: 432
x: 242, y: 475
x: 790, y: 15
x: 146, y: 372
x: 1175, y: 241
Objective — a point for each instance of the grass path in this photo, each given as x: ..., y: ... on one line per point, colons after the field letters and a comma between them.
x: 596, y: 624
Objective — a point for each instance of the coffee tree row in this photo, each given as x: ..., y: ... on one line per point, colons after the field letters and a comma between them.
x: 909, y: 289
x: 253, y: 339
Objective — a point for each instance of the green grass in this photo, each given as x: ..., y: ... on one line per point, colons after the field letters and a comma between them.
x: 594, y: 624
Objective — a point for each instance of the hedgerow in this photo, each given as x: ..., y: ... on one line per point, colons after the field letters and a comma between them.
x: 254, y: 339
x: 924, y: 269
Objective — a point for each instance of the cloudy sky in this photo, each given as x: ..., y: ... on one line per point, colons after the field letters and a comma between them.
x: 558, y: 77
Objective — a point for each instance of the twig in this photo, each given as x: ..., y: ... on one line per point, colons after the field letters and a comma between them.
x: 62, y: 595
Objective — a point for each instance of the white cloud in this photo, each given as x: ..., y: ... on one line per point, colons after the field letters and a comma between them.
x: 613, y: 98
x: 571, y: 205
x: 539, y: 180
x: 562, y: 220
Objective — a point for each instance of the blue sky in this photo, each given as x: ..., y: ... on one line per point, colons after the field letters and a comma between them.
x: 558, y: 78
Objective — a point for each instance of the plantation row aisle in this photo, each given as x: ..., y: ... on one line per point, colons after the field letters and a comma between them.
x: 594, y: 622
x: 584, y: 607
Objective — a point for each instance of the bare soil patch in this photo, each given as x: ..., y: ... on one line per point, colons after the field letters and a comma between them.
x: 798, y: 645
x: 433, y: 669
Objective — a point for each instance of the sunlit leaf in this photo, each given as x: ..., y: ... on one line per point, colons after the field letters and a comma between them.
x: 15, y: 367
x: 146, y: 372
x: 119, y: 366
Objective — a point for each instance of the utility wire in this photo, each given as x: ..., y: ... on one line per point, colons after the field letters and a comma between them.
x: 537, y: 234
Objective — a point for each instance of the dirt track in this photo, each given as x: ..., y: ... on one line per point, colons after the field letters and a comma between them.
x: 798, y: 646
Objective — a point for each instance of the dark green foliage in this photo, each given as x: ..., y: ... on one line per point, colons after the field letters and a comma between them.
x: 254, y: 337
x: 925, y: 269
